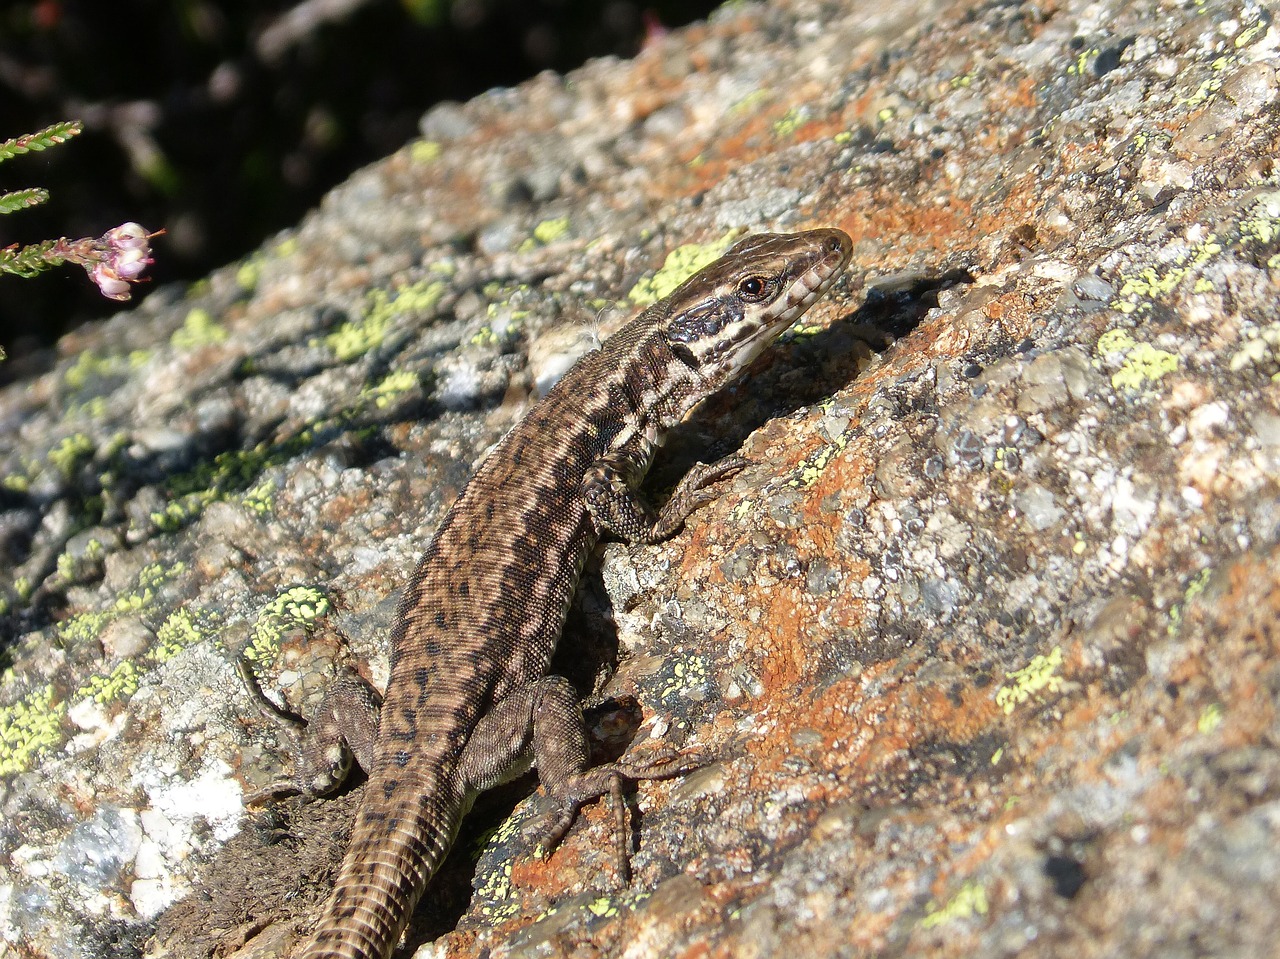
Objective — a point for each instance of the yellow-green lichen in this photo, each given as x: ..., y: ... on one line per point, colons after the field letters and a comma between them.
x: 175, y: 634
x: 425, y: 151
x: 70, y: 453
x: 515, y: 315
x: 174, y: 516
x: 484, y: 337
x: 1251, y: 33
x: 1039, y: 675
x: 384, y: 392
x: 811, y: 468
x: 197, y: 330
x: 1115, y: 341
x: 29, y: 729
x: 791, y: 121
x: 259, y: 499
x: 83, y: 627
x: 748, y: 103
x: 1145, y: 284
x: 228, y: 473
x: 1209, y: 86
x: 94, y: 408
x: 1142, y: 364
x: 681, y: 263
x: 249, y: 273
x: 1210, y: 719
x: 88, y: 367
x: 357, y: 337
x: 154, y: 575
x: 16, y: 483
x: 1003, y: 456
x: 71, y: 567
x: 120, y: 683
x: 1262, y: 225
x: 548, y: 231
x: 296, y: 607
x: 603, y: 907
x: 1081, y: 64
x: 496, y: 888
x: 801, y: 330
x: 688, y: 673
x: 1142, y: 139
x: 507, y: 311
x: 86, y: 627
x: 970, y: 901
x: 503, y: 832
x: 1137, y: 290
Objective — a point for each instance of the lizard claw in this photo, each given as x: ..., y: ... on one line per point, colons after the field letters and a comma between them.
x: 664, y: 765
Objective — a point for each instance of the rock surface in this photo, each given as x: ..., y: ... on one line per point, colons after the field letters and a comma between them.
x: 985, y: 642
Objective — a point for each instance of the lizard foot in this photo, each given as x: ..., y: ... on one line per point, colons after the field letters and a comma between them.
x: 561, y: 804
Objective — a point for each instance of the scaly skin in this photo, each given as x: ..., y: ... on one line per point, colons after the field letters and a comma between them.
x: 469, y: 699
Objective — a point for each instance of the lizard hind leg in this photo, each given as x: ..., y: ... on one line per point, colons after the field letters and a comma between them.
x: 344, y: 726
x: 542, y: 723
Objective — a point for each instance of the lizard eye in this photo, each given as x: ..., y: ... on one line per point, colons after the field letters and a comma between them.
x: 753, y: 288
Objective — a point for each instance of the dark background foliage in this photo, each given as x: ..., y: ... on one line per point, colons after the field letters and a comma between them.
x: 224, y: 122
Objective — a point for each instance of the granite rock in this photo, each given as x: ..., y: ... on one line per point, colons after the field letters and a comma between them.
x: 983, y: 644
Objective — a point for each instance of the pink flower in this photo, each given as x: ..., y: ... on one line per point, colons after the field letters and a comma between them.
x: 109, y: 282
x: 114, y: 260
x: 130, y: 263
x: 128, y: 236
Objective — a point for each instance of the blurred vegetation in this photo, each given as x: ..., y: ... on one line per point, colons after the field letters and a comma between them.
x: 224, y: 122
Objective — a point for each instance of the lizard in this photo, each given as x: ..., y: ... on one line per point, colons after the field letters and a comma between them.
x: 469, y: 701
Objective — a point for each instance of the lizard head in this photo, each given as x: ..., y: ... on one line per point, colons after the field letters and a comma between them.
x: 724, y: 316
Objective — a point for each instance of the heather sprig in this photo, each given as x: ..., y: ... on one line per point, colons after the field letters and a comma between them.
x: 113, y: 261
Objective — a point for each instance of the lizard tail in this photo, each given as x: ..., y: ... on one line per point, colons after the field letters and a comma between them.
x: 393, y: 854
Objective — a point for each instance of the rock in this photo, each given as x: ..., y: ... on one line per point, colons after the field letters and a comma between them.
x: 982, y: 644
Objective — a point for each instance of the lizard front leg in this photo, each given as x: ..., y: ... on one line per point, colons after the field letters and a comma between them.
x: 616, y: 506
